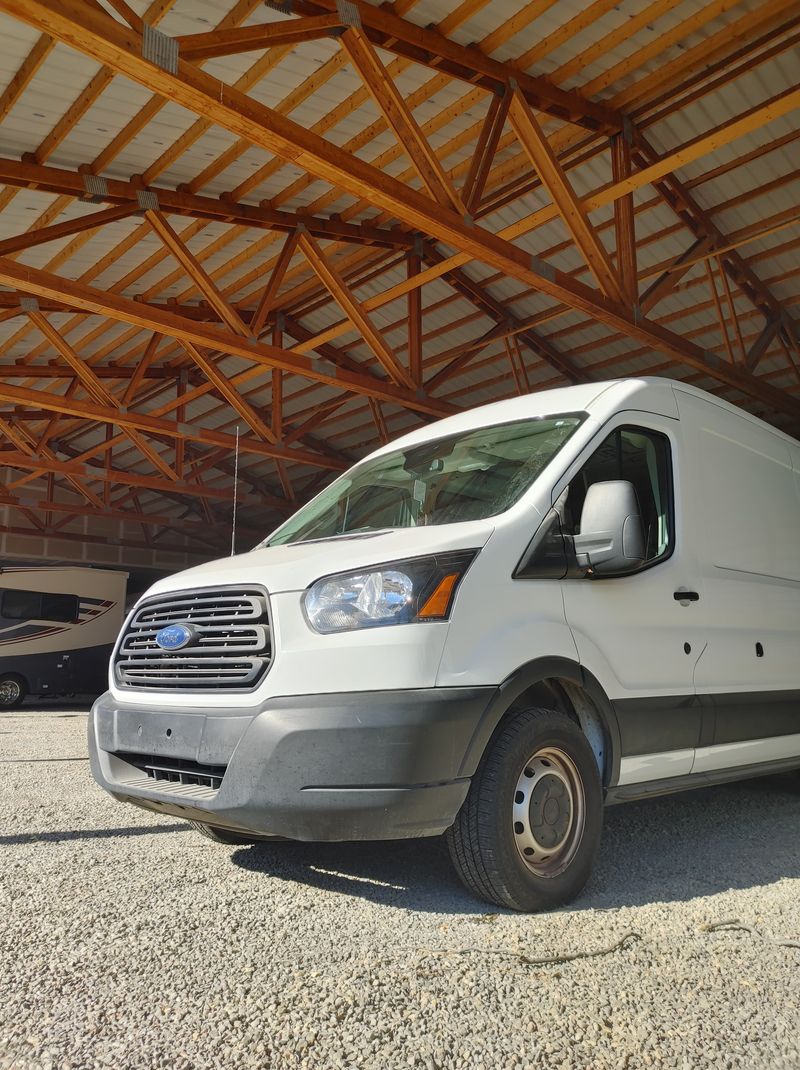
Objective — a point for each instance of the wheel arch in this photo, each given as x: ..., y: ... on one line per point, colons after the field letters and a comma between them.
x: 554, y: 683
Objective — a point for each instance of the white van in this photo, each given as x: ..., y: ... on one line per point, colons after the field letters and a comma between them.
x: 57, y: 629
x: 490, y: 627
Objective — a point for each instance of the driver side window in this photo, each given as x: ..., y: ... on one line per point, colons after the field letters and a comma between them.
x: 641, y: 457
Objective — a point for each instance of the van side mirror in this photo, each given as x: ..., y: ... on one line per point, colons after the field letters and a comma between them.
x: 612, y: 535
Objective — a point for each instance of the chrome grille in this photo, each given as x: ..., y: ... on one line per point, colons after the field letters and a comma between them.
x: 231, y: 648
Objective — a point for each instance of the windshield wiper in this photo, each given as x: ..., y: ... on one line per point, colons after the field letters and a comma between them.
x: 355, y: 533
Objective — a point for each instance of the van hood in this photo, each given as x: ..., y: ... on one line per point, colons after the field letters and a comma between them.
x: 297, y: 565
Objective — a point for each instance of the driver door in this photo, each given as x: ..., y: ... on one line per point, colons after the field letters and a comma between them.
x: 634, y: 632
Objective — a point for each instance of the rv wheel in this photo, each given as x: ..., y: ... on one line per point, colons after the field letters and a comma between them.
x: 12, y: 692
x: 529, y: 829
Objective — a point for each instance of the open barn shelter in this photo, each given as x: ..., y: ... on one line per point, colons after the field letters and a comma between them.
x: 317, y: 224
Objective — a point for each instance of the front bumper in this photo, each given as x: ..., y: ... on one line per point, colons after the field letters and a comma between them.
x: 355, y: 766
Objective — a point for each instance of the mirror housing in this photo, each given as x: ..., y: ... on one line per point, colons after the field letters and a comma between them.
x: 611, y: 541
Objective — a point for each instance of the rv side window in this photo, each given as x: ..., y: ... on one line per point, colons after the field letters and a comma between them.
x: 642, y: 458
x: 39, y: 605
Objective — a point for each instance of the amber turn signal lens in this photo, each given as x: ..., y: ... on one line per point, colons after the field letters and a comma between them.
x: 437, y: 604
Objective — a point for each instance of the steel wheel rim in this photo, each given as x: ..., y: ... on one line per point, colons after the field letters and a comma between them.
x: 548, y: 812
x: 10, y: 692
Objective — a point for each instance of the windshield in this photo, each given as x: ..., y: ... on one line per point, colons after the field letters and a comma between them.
x: 467, y: 476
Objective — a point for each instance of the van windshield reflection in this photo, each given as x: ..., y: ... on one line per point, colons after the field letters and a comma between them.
x: 471, y: 475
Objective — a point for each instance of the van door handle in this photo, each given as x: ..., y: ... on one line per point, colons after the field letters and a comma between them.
x: 686, y: 596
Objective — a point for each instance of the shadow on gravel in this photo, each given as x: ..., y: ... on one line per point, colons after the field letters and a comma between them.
x: 75, y: 705
x: 662, y: 850
x: 88, y: 834
x: 407, y: 874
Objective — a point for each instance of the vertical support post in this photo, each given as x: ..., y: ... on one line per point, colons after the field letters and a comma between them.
x: 624, y: 227
x: 51, y: 494
x: 180, y: 443
x: 109, y: 464
x: 414, y: 265
x: 277, y: 382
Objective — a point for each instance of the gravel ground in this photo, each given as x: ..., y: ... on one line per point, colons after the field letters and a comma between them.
x: 128, y: 941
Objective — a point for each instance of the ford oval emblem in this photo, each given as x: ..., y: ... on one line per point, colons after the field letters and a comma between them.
x: 175, y: 637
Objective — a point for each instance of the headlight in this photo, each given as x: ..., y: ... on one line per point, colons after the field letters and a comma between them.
x: 400, y: 592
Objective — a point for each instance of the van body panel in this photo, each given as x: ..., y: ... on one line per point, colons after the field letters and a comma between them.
x: 746, y: 525
x: 643, y: 768
x: 376, y: 732
x: 295, y: 566
x: 499, y: 623
x: 404, y: 656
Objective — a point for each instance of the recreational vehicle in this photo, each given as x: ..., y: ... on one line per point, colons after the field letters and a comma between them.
x: 57, y: 629
x: 491, y: 628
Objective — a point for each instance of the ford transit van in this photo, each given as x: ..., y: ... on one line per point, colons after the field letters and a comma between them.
x: 490, y: 628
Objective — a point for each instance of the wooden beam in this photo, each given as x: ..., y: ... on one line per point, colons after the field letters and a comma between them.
x: 297, y: 432
x: 25, y: 72
x: 354, y: 310
x: 96, y: 389
x: 680, y: 199
x: 413, y: 266
x: 223, y: 386
x: 126, y: 11
x: 431, y: 48
x: 731, y: 306
x: 380, y: 422
x: 399, y: 117
x: 49, y: 504
x: 31, y: 238
x: 142, y: 368
x: 101, y: 473
x: 518, y: 369
x: 485, y: 150
x: 723, y: 327
x: 759, y: 348
x: 196, y: 272
x: 107, y: 42
x: 479, y: 296
x: 69, y: 183
x: 668, y: 279
x: 543, y: 159
x: 111, y: 45
x: 20, y: 440
x: 77, y: 295
x: 624, y: 226
x: 101, y: 414
x: 267, y: 298
x: 202, y: 46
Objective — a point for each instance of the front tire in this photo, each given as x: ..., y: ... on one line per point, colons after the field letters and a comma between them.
x: 528, y: 832
x: 12, y: 692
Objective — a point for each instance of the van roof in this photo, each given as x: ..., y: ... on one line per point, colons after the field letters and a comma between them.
x: 600, y: 400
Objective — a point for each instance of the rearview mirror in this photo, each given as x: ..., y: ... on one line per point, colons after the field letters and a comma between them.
x: 612, y: 535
